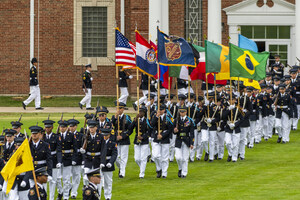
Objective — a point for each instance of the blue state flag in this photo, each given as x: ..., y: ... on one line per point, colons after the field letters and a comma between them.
x: 246, y: 43
x: 174, y: 51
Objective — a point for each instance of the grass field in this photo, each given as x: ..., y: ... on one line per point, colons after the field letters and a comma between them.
x: 270, y: 171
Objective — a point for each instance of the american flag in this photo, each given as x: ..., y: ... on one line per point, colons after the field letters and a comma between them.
x: 125, y: 51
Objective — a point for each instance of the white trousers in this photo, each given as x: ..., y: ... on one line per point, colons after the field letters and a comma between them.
x: 182, y: 91
x: 35, y: 95
x: 232, y: 141
x: 140, y: 157
x: 55, y: 182
x: 294, y: 123
x: 251, y: 133
x: 124, y: 95
x: 242, y: 143
x: 143, y: 99
x: 122, y: 158
x: 172, y: 147
x: 87, y: 98
x: 262, y: 128
x: 204, y: 139
x: 298, y: 108
x: 283, y: 127
x: 106, y: 184
x: 66, y: 173
x: 196, y: 145
x: 209, y: 136
x: 76, y: 176
x: 220, y: 144
x: 271, y: 121
x: 163, y: 91
x: 182, y: 158
x: 201, y: 146
x: 160, y: 155
x: 17, y: 195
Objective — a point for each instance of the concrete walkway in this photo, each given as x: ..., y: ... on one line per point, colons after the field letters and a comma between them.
x: 56, y: 110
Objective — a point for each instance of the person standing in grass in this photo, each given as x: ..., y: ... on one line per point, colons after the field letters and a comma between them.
x: 87, y: 88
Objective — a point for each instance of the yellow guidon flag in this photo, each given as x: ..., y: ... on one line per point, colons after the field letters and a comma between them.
x: 20, y: 162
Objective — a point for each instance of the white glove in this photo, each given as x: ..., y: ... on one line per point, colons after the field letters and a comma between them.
x: 73, y: 163
x: 58, y: 165
x: 101, y: 166
x: 91, y: 78
x: 199, y: 124
x: 168, y: 103
x: 206, y: 102
x: 218, y: 129
x: 187, y: 82
x: 244, y: 110
x: 23, y: 184
x: 231, y: 125
x: 148, y: 104
x: 0, y: 187
x: 178, y: 104
x: 82, y: 151
x: 130, y: 77
x: 231, y: 107
x: 273, y: 106
x: 197, y: 103
x: 208, y: 120
x: 120, y: 78
x: 108, y: 165
x: 49, y: 178
x: 188, y: 104
x: 152, y: 82
x: 85, y: 178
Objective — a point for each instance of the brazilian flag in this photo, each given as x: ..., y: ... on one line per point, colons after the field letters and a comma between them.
x: 246, y: 63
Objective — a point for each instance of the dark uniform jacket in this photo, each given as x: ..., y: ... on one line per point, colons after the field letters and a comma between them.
x: 124, y: 123
x: 68, y: 148
x: 90, y: 192
x: 144, y: 130
x: 21, y: 135
x: 263, y: 103
x: 7, y: 152
x: 181, y: 83
x: 86, y: 78
x: 214, y: 114
x: 111, y: 155
x: 166, y: 128
x: 123, y: 79
x: 42, y: 156
x: 55, y: 147
x: 144, y: 84
x: 79, y: 143
x: 254, y: 113
x: 296, y: 85
x: 246, y: 104
x: 33, y: 76
x: 95, y: 151
x: 32, y: 195
x: 107, y: 124
x: 283, y: 105
x: 227, y: 117
x: 2, y: 164
x: 185, y: 131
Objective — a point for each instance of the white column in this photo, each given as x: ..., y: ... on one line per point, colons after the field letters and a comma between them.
x: 214, y: 27
x: 31, y: 30
x: 297, y: 29
x: 165, y: 16
x: 234, y: 34
x: 122, y: 16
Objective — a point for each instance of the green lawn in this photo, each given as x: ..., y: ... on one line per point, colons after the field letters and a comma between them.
x: 270, y: 171
x: 10, y: 101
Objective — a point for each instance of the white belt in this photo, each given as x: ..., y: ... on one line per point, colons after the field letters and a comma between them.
x: 67, y: 151
x: 297, y: 92
x: 108, y: 157
x: 53, y: 152
x: 93, y: 154
x: 283, y: 107
x: 40, y: 162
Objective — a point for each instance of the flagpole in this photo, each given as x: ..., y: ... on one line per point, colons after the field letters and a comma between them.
x: 158, y: 97
x: 189, y: 94
x: 118, y: 103
x: 169, y: 85
x: 231, y: 114
x: 149, y: 80
x: 176, y: 85
x: 215, y: 88
x: 138, y: 102
x: 207, y: 94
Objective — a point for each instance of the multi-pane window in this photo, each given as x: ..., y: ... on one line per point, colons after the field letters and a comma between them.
x: 193, y: 21
x: 281, y: 50
x: 94, y: 31
x: 266, y: 32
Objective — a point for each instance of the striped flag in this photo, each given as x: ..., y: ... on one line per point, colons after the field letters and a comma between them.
x: 125, y: 50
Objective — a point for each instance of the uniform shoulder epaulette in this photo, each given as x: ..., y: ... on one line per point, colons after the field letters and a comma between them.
x: 31, y: 192
x: 88, y: 192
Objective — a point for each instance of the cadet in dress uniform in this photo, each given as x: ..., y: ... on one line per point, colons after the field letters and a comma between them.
x: 41, y: 179
x: 77, y: 169
x: 69, y: 153
x: 253, y: 117
x: 9, y: 147
x: 54, y: 140
x: 90, y: 191
x: 87, y: 88
x: 220, y: 136
x: 40, y: 151
x: 161, y: 141
x: 122, y: 137
x: 104, y: 122
x: 123, y: 76
x: 110, y: 159
x: 295, y: 83
x: 184, y: 132
x: 282, y: 107
x: 17, y: 126
x: 141, y: 139
x: 277, y: 67
x: 35, y: 93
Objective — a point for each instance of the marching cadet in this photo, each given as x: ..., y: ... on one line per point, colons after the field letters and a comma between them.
x: 271, y: 114
x: 110, y: 159
x: 104, y: 122
x: 210, y: 130
x: 232, y: 129
x: 94, y: 149
x: 123, y: 76
x: 9, y: 147
x: 17, y: 126
x: 277, y: 67
x: 21, y: 185
x: 282, y: 106
x: 182, y: 86
x: 69, y: 152
x: 141, y: 140
x: 40, y: 152
x: 35, y: 93
x: 54, y: 140
x: 144, y: 88
x: 162, y: 126
x: 41, y: 180
x: 276, y: 80
x: 121, y: 124
x: 268, y: 79
x: 295, y: 83
x: 90, y: 191
x: 77, y: 169
x: 220, y: 136
x: 184, y: 132
x: 152, y: 106
x: 253, y: 117
x: 87, y: 88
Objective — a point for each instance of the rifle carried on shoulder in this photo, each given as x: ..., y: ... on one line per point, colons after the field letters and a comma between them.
x: 61, y: 118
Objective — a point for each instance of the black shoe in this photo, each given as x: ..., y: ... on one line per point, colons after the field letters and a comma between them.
x: 148, y: 158
x: 179, y: 173
x: 90, y: 108
x: 206, y: 156
x: 141, y: 177
x: 219, y: 158
x: 134, y: 106
x: 183, y: 177
x: 73, y: 197
x: 234, y: 161
x: 119, y: 173
x: 191, y: 160
x: 107, y: 199
x: 266, y: 139
x: 279, y: 140
x: 210, y: 160
x: 164, y: 177
x: 238, y: 156
x: 39, y: 108
x: 120, y: 176
x: 198, y: 158
x: 24, y: 106
x: 242, y: 158
x: 152, y: 161
x: 158, y: 174
x: 256, y: 142
x: 171, y: 161
x: 216, y: 156
x: 283, y: 142
x: 228, y: 158
x: 80, y: 105
x: 59, y: 196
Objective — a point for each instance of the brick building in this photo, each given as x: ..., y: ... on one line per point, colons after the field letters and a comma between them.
x: 69, y: 34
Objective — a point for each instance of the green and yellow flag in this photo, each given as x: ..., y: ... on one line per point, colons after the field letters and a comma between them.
x: 20, y: 162
x: 246, y: 63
